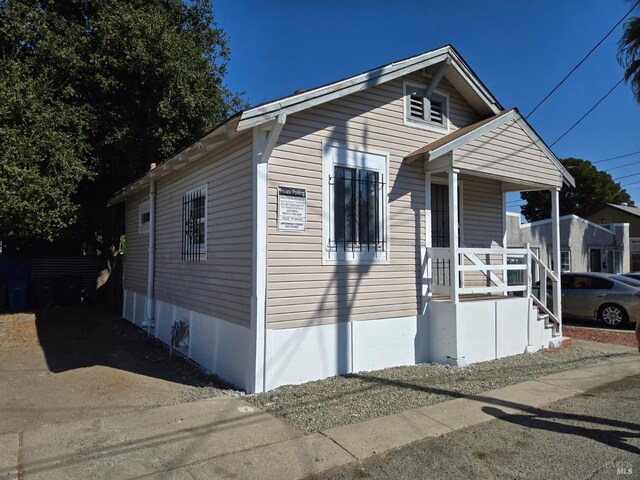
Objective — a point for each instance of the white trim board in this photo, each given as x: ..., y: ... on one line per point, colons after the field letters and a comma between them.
x: 301, y: 101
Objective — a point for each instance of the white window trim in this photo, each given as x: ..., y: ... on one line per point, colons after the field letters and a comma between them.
x: 606, y: 256
x: 408, y: 121
x: 562, y: 250
x: 332, y: 158
x: 143, y: 208
x: 203, y: 247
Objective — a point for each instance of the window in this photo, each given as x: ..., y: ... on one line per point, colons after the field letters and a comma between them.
x: 635, y: 246
x: 614, y: 261
x: 584, y: 282
x: 194, y: 222
x: 565, y: 261
x: 432, y: 111
x: 144, y: 217
x: 354, y: 205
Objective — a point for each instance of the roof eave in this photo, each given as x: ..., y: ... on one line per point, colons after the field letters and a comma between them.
x: 294, y: 103
x: 195, y: 151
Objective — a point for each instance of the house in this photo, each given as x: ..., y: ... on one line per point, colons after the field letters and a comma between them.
x: 584, y: 246
x: 612, y: 213
x: 350, y: 227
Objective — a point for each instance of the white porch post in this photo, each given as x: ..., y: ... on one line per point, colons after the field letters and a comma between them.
x: 555, y: 222
x: 453, y: 234
x: 504, y: 239
x: 426, y: 260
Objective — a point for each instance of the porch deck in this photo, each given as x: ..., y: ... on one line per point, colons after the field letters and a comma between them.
x: 470, y: 297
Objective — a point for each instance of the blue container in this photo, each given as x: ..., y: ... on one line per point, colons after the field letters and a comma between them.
x: 17, y: 293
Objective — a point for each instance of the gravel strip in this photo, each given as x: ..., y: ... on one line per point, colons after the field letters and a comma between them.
x: 626, y: 338
x: 337, y: 401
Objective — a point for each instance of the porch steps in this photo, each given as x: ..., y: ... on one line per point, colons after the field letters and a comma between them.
x: 548, y: 323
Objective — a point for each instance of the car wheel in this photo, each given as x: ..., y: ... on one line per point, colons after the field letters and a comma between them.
x: 613, y: 315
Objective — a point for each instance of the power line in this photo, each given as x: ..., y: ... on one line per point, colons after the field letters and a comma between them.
x: 588, y: 112
x: 629, y: 184
x: 621, y: 166
x: 582, y: 61
x: 615, y: 158
x: 626, y: 176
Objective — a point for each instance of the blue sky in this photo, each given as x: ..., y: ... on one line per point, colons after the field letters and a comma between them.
x: 520, y: 50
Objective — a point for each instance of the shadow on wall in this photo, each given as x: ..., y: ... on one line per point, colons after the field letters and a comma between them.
x: 90, y: 335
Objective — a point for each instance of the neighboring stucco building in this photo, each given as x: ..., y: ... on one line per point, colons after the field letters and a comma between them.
x: 612, y: 213
x: 351, y: 227
x: 584, y: 246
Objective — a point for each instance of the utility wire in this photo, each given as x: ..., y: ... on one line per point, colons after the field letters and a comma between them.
x: 588, y: 112
x: 582, y: 61
x: 621, y: 166
x: 626, y: 176
x: 629, y: 184
x: 615, y: 158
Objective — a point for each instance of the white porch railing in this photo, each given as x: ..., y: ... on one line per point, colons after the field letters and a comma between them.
x: 488, y: 271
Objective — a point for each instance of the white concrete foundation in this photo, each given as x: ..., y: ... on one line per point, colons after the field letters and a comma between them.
x: 219, y: 346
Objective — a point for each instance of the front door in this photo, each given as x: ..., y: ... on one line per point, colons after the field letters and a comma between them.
x: 439, y: 216
x: 595, y: 260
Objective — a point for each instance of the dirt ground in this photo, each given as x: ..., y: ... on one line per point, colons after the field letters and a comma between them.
x: 71, y: 363
x: 589, y: 330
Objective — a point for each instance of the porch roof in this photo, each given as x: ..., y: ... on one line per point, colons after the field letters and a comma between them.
x: 463, y: 136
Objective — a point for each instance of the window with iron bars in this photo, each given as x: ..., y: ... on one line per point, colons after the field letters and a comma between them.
x: 358, y: 211
x: 194, y: 223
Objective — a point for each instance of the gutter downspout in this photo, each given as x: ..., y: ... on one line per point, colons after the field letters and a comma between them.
x: 149, y: 321
x: 264, y: 141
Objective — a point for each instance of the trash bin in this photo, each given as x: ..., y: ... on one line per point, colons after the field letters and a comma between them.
x: 68, y: 290
x: 17, y: 290
x: 3, y: 296
x: 43, y: 292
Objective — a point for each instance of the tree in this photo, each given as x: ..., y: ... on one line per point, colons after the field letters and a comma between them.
x: 593, y: 189
x: 93, y: 91
x: 629, y: 53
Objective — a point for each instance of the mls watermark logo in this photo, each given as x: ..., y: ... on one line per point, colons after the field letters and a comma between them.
x: 622, y: 467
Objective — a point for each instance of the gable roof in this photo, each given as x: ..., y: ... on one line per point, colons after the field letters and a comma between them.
x: 625, y: 208
x: 458, y: 73
x: 464, y: 135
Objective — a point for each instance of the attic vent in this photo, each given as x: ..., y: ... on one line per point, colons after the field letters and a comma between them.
x: 417, y: 106
x: 436, y: 112
x: 430, y: 111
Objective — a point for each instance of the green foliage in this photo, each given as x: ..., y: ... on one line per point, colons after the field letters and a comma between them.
x: 629, y: 54
x: 93, y: 91
x: 593, y: 189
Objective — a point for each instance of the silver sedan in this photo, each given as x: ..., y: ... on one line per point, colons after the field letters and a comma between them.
x: 612, y: 299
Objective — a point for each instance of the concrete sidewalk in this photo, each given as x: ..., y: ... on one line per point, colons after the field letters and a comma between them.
x: 228, y: 438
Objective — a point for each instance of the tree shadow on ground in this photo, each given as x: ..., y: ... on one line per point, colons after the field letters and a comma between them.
x: 88, y: 335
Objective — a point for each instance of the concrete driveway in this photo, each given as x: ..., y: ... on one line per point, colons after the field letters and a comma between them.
x: 66, y: 364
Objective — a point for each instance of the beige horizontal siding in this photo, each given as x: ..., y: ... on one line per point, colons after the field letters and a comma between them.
x: 301, y: 290
x: 136, y: 246
x: 508, y: 152
x: 219, y: 286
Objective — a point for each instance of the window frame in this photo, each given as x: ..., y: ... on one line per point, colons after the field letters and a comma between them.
x: 612, y: 251
x: 426, y: 124
x: 562, y: 250
x: 350, y: 156
x: 143, y: 208
x: 203, y: 250
x: 631, y: 241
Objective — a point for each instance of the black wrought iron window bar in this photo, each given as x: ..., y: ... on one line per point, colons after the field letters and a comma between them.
x: 358, y: 211
x: 194, y: 224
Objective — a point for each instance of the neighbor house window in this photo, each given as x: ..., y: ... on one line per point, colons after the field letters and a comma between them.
x: 614, y: 261
x: 144, y: 217
x: 194, y: 224
x: 355, y: 205
x: 432, y: 111
x: 565, y: 261
x: 635, y: 246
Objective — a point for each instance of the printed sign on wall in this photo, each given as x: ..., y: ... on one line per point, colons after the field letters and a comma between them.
x: 292, y: 209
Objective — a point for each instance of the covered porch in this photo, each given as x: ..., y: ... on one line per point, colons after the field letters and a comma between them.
x: 479, y: 301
